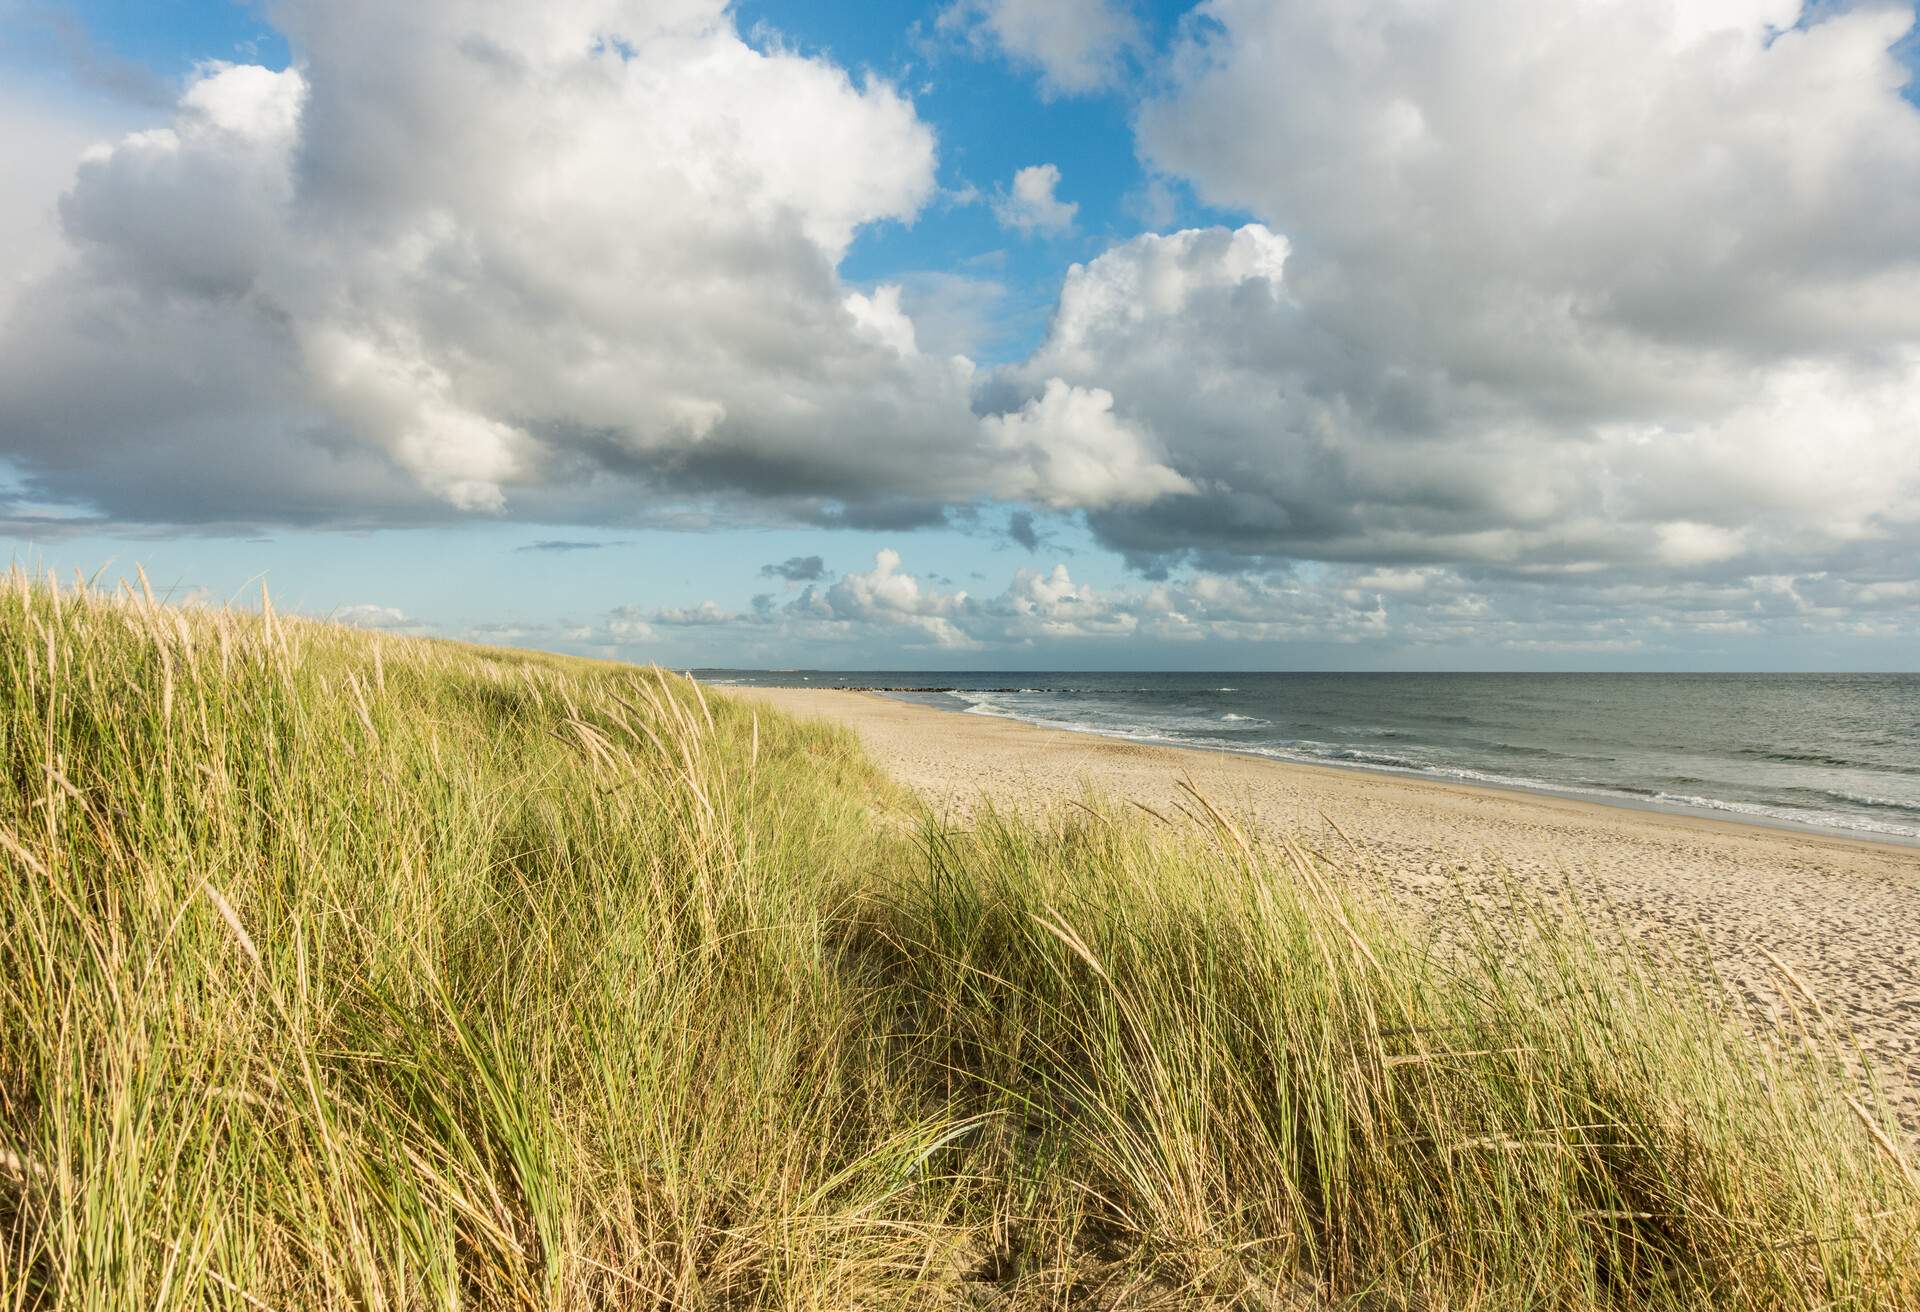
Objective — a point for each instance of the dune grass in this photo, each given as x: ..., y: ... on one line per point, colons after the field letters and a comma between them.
x: 352, y: 971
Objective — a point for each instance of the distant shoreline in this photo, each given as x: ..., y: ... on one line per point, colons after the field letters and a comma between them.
x: 1611, y: 800
x: 1844, y: 911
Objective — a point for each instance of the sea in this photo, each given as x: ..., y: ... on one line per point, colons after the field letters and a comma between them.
x: 1839, y: 753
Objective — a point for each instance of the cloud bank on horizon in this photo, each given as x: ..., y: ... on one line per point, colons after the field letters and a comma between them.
x: 1537, y: 320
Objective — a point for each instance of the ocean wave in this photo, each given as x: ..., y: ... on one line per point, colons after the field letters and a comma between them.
x: 1835, y: 810
x: 1795, y: 758
x: 1349, y: 758
x: 1360, y: 756
x: 1827, y: 760
x: 1879, y: 803
x: 983, y: 703
x: 1821, y: 799
x: 1792, y: 815
x: 1604, y: 788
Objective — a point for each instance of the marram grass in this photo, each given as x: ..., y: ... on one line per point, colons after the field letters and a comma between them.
x: 340, y: 971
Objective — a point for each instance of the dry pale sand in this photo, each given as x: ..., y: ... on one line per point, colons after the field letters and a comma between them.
x: 1843, y: 914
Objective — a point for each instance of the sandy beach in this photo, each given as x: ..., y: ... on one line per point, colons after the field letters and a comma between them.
x: 1843, y: 914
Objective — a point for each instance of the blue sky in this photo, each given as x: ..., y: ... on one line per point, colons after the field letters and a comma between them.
x: 1315, y: 335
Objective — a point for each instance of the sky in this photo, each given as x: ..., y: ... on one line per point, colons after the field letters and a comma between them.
x: 981, y: 334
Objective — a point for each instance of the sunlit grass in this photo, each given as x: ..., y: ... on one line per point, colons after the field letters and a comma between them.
x: 340, y: 970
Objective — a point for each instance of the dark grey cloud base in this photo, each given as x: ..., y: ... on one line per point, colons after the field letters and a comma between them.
x: 796, y: 569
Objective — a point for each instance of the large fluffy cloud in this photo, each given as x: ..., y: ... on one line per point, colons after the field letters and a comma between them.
x: 571, y: 261
x: 1620, y: 284
x: 1612, y: 303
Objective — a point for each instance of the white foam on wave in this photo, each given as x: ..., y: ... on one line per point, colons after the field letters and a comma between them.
x: 1792, y: 815
x: 982, y: 703
x: 1311, y: 752
x: 1869, y: 799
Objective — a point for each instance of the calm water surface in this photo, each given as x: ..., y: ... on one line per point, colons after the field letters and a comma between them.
x: 1840, y: 752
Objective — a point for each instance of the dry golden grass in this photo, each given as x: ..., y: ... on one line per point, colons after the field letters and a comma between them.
x: 346, y: 971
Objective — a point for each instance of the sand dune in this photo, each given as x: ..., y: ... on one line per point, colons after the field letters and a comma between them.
x: 1843, y: 914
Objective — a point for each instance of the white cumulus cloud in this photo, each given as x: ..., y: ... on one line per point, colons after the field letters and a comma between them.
x: 1077, y: 46
x: 1269, y: 614
x: 1067, y: 448
x: 1624, y: 284
x: 1627, y: 288
x: 1031, y: 205
x: 1614, y: 297
x: 370, y: 615
x: 550, y: 261
x: 575, y: 263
